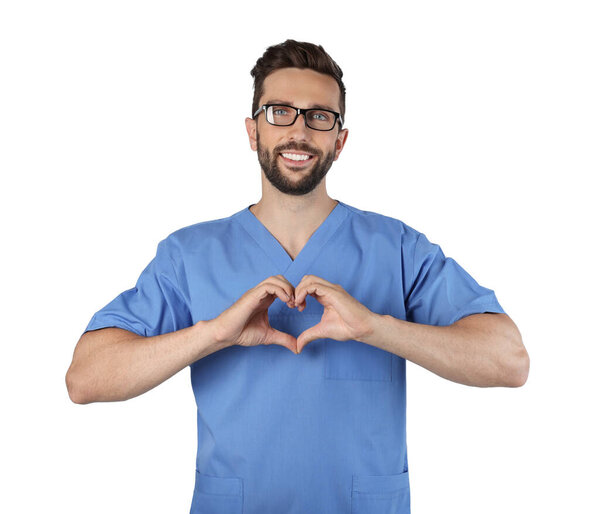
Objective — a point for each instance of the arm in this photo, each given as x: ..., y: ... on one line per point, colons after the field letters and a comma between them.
x: 113, y: 364
x: 483, y: 350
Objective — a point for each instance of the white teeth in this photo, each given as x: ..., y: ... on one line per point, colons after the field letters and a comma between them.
x: 295, y: 156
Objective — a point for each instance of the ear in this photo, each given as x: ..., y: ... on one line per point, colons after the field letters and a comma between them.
x: 251, y: 129
x: 340, y: 142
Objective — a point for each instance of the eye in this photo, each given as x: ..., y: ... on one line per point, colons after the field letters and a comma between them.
x: 282, y: 110
x: 320, y: 115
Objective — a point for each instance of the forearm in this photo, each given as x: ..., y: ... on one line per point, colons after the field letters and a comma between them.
x: 114, y: 365
x: 460, y: 353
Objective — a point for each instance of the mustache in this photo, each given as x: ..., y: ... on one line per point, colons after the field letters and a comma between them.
x: 297, y: 146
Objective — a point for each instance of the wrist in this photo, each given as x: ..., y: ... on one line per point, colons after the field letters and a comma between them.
x: 375, y: 325
x: 210, y: 332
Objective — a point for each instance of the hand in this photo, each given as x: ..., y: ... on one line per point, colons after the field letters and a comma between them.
x: 343, y: 318
x: 246, y: 322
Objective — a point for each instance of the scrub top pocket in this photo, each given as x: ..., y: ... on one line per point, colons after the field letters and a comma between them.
x: 385, y: 494
x: 217, y: 495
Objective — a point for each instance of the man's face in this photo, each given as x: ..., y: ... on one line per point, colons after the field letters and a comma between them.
x: 301, y: 88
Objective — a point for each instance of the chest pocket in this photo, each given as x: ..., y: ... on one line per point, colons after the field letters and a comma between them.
x: 353, y: 360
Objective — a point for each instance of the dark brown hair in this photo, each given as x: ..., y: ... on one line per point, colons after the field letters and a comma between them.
x: 295, y: 54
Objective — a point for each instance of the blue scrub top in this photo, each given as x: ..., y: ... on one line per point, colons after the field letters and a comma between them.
x: 319, y: 432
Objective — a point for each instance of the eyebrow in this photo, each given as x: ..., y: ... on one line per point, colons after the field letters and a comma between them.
x: 313, y: 106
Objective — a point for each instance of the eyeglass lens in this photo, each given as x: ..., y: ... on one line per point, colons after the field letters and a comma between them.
x: 315, y: 118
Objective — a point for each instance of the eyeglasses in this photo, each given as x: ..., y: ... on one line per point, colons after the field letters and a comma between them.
x: 285, y: 115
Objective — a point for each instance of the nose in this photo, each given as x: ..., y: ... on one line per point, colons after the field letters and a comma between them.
x: 299, y: 130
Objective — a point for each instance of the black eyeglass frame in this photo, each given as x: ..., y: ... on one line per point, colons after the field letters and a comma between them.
x: 338, y: 116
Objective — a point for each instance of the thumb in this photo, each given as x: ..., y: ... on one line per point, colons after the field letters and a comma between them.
x: 277, y: 337
x: 310, y: 334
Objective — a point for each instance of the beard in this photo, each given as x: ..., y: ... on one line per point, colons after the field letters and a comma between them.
x: 310, y: 178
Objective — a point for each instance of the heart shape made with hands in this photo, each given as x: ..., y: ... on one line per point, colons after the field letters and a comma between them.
x: 344, y: 317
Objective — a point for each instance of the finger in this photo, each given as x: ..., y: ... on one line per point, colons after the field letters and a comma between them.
x: 311, y: 279
x: 284, y: 280
x: 285, y: 283
x: 268, y: 288
x: 315, y: 278
x: 288, y: 287
x: 281, y: 338
x: 314, y: 288
x: 300, y: 291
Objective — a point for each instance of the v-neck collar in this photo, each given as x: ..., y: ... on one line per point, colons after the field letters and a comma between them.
x: 294, y: 269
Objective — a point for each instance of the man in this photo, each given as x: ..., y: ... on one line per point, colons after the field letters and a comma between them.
x: 296, y: 315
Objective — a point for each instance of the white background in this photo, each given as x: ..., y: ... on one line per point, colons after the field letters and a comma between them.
x: 474, y: 122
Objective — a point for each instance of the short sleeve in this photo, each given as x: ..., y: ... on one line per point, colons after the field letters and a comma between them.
x: 156, y: 305
x: 442, y: 292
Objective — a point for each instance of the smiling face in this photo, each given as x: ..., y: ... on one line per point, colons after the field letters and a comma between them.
x: 296, y: 158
